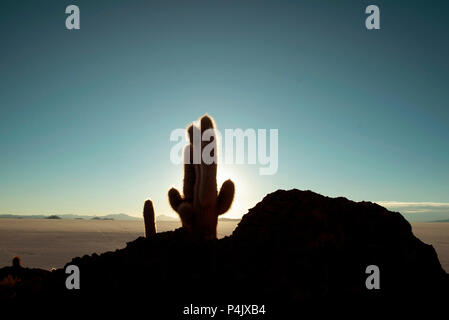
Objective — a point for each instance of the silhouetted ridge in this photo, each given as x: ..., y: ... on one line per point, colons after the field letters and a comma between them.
x: 293, y: 246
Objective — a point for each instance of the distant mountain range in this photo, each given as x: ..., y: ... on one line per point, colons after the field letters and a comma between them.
x: 117, y: 216
x: 163, y: 217
x: 228, y: 219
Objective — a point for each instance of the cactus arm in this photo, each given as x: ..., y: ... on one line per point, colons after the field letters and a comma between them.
x: 189, y: 169
x: 208, y: 171
x: 189, y: 175
x: 195, y: 137
x: 225, y: 197
x: 174, y: 198
x: 185, y: 211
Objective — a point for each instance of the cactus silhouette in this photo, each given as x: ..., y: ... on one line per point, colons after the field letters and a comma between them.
x: 148, y: 217
x: 16, y: 262
x: 201, y: 204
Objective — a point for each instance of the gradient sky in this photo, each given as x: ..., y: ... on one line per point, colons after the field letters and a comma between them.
x: 86, y: 115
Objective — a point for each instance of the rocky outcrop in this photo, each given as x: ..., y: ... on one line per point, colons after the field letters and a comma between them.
x: 321, y: 246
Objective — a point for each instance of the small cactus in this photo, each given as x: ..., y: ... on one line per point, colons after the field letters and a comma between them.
x: 201, y: 204
x: 148, y: 217
x: 16, y: 262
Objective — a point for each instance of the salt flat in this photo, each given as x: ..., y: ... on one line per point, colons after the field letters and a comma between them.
x: 46, y: 243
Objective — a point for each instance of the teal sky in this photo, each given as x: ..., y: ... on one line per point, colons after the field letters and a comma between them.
x: 86, y: 115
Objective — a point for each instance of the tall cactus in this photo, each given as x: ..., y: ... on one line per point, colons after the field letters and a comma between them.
x: 201, y: 204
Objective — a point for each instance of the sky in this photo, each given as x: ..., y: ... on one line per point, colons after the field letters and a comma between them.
x: 86, y: 115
